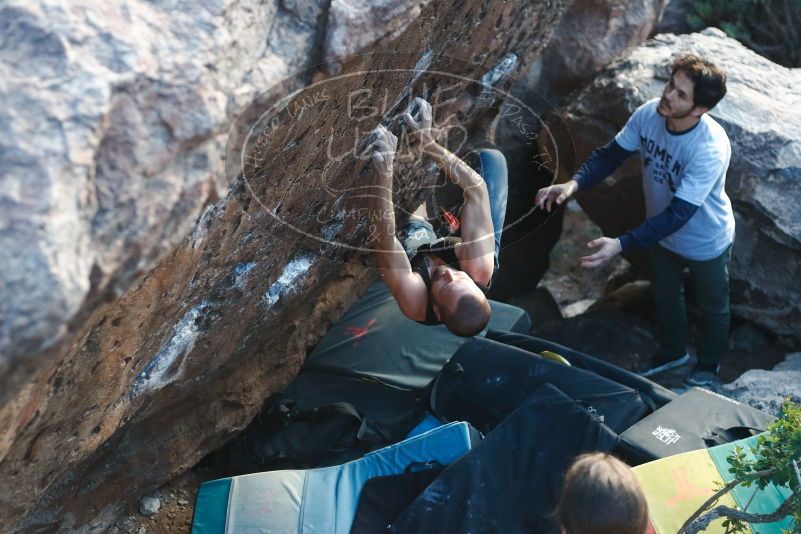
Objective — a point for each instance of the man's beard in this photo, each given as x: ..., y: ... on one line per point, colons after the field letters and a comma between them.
x: 674, y: 116
x: 438, y: 272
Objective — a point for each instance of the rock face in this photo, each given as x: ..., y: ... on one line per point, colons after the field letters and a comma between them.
x: 115, y: 119
x: 355, y: 25
x: 762, y: 115
x: 766, y: 390
x: 129, y: 348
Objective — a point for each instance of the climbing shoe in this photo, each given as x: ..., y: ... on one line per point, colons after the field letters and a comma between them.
x: 703, y: 374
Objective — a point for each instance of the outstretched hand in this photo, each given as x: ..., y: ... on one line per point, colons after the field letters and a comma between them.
x: 558, y: 193
x: 609, y: 248
x: 384, y: 148
x: 421, y: 127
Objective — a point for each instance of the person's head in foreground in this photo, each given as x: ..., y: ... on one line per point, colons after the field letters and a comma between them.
x: 601, y: 495
x: 458, y: 301
x: 695, y: 87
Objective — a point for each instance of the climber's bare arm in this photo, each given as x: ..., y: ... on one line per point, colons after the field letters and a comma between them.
x: 476, y: 253
x: 407, y: 288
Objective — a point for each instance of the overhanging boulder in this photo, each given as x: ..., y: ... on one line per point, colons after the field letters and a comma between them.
x: 762, y: 115
x: 136, y: 337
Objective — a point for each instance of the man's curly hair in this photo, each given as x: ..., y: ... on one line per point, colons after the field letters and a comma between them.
x: 708, y: 79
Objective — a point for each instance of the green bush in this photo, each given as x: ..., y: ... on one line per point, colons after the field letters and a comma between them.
x: 769, y: 27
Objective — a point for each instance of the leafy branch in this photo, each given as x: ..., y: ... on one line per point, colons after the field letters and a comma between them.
x: 774, y: 460
x: 769, y: 27
x: 701, y: 523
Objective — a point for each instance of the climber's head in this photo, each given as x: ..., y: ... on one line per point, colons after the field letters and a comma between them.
x: 458, y: 301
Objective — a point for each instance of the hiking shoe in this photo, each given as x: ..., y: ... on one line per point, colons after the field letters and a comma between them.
x: 661, y: 364
x: 703, y: 374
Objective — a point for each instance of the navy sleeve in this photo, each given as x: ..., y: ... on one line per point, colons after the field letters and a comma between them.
x: 602, y: 162
x: 659, y: 226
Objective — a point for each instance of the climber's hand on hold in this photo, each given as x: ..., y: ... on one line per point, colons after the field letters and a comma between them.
x: 384, y: 148
x: 419, y: 118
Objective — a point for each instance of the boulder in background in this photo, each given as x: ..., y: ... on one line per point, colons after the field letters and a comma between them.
x: 767, y: 389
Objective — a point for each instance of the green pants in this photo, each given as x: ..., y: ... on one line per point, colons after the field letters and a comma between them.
x: 710, y: 285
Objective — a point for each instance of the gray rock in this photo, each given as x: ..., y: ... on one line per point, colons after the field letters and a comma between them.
x: 762, y: 115
x: 354, y: 25
x: 590, y: 36
x: 114, y: 118
x: 766, y: 390
x: 749, y: 338
x: 149, y: 505
x: 126, y: 524
x: 791, y: 363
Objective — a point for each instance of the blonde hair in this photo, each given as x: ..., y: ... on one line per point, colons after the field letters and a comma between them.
x: 601, y: 495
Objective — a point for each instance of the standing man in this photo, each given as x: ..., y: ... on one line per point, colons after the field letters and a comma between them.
x: 690, y: 224
x: 441, y: 281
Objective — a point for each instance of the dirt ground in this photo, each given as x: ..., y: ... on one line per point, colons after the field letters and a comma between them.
x: 569, y: 284
x: 177, y: 499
